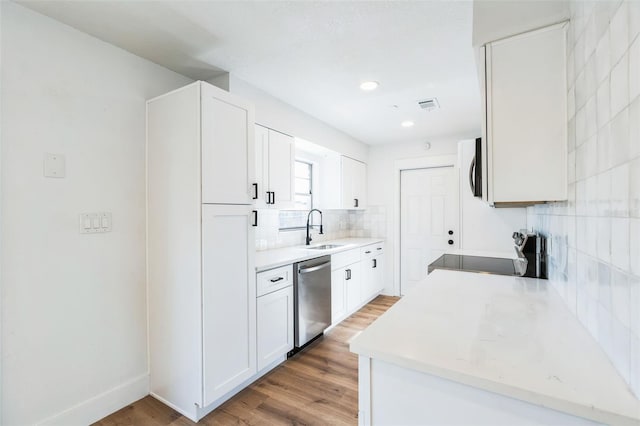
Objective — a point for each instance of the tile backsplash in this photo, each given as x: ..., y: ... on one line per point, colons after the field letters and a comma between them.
x: 594, y: 259
x: 337, y: 224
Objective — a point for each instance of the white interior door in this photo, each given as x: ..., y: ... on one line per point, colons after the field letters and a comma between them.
x: 429, y: 222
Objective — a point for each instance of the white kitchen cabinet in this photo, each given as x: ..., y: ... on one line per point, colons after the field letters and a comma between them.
x: 275, y: 325
x: 338, y: 295
x: 228, y: 172
x: 353, y: 183
x: 353, y: 287
x: 524, y: 134
x: 229, y: 298
x: 200, y: 248
x: 275, y: 162
x: 372, y: 270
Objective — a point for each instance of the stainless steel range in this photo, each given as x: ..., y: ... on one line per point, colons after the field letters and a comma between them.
x: 531, y: 261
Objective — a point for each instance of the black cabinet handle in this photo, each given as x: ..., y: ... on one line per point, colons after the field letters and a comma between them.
x: 255, y: 191
x: 269, y: 197
x: 375, y: 263
x: 273, y: 201
x: 275, y: 280
x: 355, y: 202
x: 379, y: 248
x: 450, y: 232
x: 450, y: 242
x: 255, y: 218
x: 348, y: 276
x: 367, y: 252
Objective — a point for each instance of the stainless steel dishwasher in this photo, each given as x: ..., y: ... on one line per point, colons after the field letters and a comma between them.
x: 312, y: 299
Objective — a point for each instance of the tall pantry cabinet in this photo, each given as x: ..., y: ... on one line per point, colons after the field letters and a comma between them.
x: 200, y: 245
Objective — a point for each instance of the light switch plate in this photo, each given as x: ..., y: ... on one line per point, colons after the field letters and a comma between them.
x: 95, y: 223
x: 54, y: 165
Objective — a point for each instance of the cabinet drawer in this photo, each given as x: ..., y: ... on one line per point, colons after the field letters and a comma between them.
x: 342, y: 259
x: 274, y: 279
x: 372, y: 250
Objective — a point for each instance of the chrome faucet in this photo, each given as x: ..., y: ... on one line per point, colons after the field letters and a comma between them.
x: 309, y: 226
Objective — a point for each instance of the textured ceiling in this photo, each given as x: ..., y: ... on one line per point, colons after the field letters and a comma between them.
x: 312, y: 55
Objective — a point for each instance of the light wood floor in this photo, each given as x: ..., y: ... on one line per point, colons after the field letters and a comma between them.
x: 317, y: 386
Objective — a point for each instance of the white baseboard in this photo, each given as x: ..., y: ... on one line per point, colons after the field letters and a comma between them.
x: 102, y: 405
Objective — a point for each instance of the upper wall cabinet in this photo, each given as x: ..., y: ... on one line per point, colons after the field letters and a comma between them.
x: 227, y: 148
x: 354, y: 183
x: 524, y: 134
x: 275, y: 160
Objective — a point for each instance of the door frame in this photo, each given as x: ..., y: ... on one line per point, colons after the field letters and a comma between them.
x: 412, y: 164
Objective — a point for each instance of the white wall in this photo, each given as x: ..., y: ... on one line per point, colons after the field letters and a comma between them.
x: 382, y: 193
x: 595, y: 256
x: 496, y: 19
x: 74, y: 306
x: 272, y: 112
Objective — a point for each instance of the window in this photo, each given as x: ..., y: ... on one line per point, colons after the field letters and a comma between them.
x: 303, y: 201
x: 303, y: 186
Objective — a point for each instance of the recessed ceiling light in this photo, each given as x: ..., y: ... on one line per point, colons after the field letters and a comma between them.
x: 369, y: 85
x: 407, y: 123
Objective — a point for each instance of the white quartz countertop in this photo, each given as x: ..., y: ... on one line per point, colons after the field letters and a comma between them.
x: 509, y: 335
x: 269, y: 259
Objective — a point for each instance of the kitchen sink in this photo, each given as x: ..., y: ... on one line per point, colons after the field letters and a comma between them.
x: 325, y: 247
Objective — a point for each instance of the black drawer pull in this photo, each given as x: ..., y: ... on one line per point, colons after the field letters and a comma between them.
x: 275, y: 280
x: 379, y: 248
x: 255, y: 217
x: 367, y: 252
x: 255, y: 191
x: 375, y: 263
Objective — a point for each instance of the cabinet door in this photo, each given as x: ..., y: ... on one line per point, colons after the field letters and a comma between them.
x: 227, y: 140
x: 281, y: 169
x: 338, y: 295
x: 526, y: 117
x: 353, y: 183
x: 354, y: 287
x: 229, y: 298
x: 378, y: 274
x: 360, y: 183
x: 275, y: 325
x: 261, y: 164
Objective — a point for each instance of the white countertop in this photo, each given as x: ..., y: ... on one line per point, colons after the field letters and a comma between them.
x: 509, y: 335
x: 501, y: 254
x: 269, y: 259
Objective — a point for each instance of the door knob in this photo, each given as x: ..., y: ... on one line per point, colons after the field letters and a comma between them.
x: 450, y: 242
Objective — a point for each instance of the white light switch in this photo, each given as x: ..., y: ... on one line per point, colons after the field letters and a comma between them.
x: 93, y: 223
x: 54, y: 165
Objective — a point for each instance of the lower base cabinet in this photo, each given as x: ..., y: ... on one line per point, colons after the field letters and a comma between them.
x: 357, y: 276
x: 274, y: 315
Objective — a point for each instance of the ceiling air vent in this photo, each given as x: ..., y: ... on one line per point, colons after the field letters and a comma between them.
x: 429, y: 104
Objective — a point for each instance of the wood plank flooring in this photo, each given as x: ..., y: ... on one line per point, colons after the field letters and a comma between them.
x: 318, y: 386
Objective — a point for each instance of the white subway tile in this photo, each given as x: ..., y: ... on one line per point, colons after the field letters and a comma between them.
x: 605, y: 331
x: 619, y: 29
x: 603, y: 104
x: 604, y: 239
x: 634, y: 248
x: 634, y: 69
x: 634, y: 20
x: 634, y: 380
x: 571, y: 167
x: 619, y: 94
x: 619, y: 145
x: 621, y: 349
x: 604, y: 148
x: 602, y: 58
x: 571, y: 103
x: 634, y: 128
x: 634, y: 188
x: 620, y: 191
x: 591, y: 119
x: 603, y: 284
x: 604, y: 193
x: 620, y: 243
x: 621, y: 297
